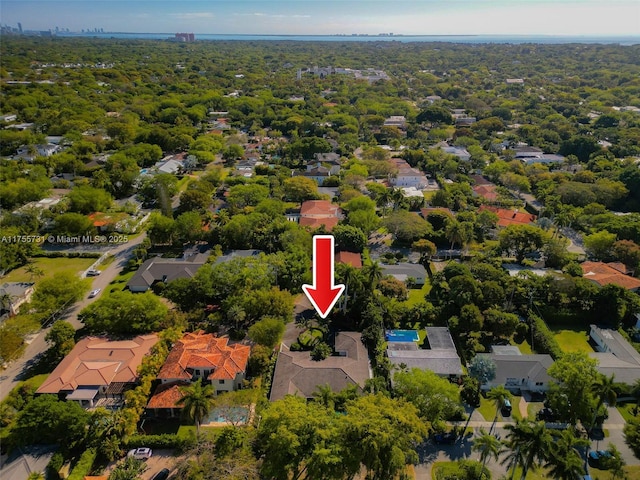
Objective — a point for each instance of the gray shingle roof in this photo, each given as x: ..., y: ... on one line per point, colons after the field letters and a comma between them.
x: 440, y: 337
x: 159, y: 269
x: 297, y: 374
x: 409, y: 269
x: 533, y: 367
x: 441, y: 358
x: 440, y: 361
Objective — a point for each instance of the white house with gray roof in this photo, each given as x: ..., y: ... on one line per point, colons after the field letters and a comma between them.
x: 438, y: 354
x: 406, y: 271
x: 519, y: 372
x: 615, y: 355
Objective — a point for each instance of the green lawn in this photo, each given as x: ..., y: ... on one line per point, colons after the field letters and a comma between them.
x: 533, y: 408
x: 573, y: 341
x: 524, y: 347
x: 120, y: 282
x: 627, y: 410
x: 416, y: 295
x: 488, y: 410
x: 632, y: 472
x: 49, y: 267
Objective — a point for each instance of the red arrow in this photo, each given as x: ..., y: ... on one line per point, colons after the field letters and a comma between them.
x: 323, y: 294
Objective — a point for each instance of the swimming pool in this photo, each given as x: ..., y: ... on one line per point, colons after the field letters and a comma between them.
x: 233, y: 415
x: 402, y: 336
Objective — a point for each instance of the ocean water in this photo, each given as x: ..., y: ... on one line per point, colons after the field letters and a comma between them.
x: 504, y: 39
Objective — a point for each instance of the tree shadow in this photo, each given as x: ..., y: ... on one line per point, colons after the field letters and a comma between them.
x: 42, y: 363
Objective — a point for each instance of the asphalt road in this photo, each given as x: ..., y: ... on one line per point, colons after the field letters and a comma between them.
x: 14, y: 372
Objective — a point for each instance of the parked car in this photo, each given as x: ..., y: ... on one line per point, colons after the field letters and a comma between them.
x: 93, y: 273
x: 506, y: 409
x: 161, y: 475
x: 597, y: 456
x: 94, y: 293
x: 141, y: 453
x: 448, y: 438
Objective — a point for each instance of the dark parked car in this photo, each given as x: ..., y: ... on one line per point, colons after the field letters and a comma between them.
x: 161, y: 475
x: 446, y: 438
x: 506, y: 409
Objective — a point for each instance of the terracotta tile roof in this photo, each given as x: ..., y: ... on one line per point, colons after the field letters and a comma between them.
x: 486, y: 191
x: 204, y: 350
x: 511, y: 217
x: 606, y: 273
x: 167, y: 395
x: 96, y: 361
x: 349, y: 258
x: 620, y: 267
x: 318, y: 207
x: 313, y: 223
x: 597, y: 267
x: 315, y: 213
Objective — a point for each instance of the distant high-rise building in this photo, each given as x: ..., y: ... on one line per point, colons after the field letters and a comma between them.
x: 19, y: 27
x: 185, y: 37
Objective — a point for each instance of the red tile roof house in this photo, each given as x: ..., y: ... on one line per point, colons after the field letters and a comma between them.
x: 349, y: 258
x: 488, y: 192
x: 98, y: 371
x: 196, y: 356
x: 315, y: 213
x: 606, y: 273
x: 511, y: 217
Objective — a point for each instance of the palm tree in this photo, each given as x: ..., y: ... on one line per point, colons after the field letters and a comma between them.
x: 454, y: 233
x: 34, y: 271
x: 530, y: 444
x: 565, y: 461
x: 373, y: 274
x: 351, y: 279
x: 605, y: 390
x: 488, y: 446
x: 324, y: 395
x: 398, y: 198
x: 499, y: 395
x: 384, y: 199
x: 197, y: 399
x: 36, y: 476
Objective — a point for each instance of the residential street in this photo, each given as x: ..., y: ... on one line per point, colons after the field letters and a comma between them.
x: 429, y: 452
x: 37, y: 345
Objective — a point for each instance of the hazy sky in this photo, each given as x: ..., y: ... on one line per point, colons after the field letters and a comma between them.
x: 421, y: 17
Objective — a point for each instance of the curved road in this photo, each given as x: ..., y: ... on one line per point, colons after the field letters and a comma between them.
x: 10, y: 377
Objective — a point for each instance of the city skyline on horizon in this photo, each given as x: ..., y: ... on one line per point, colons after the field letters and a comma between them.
x: 332, y: 17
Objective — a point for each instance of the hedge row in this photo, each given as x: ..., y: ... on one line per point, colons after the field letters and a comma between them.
x: 164, y: 441
x: 50, y: 254
x: 83, y: 467
x: 543, y: 339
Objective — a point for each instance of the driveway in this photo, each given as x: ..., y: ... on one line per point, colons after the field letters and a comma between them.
x: 614, y: 425
x: 160, y: 459
x: 37, y: 345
